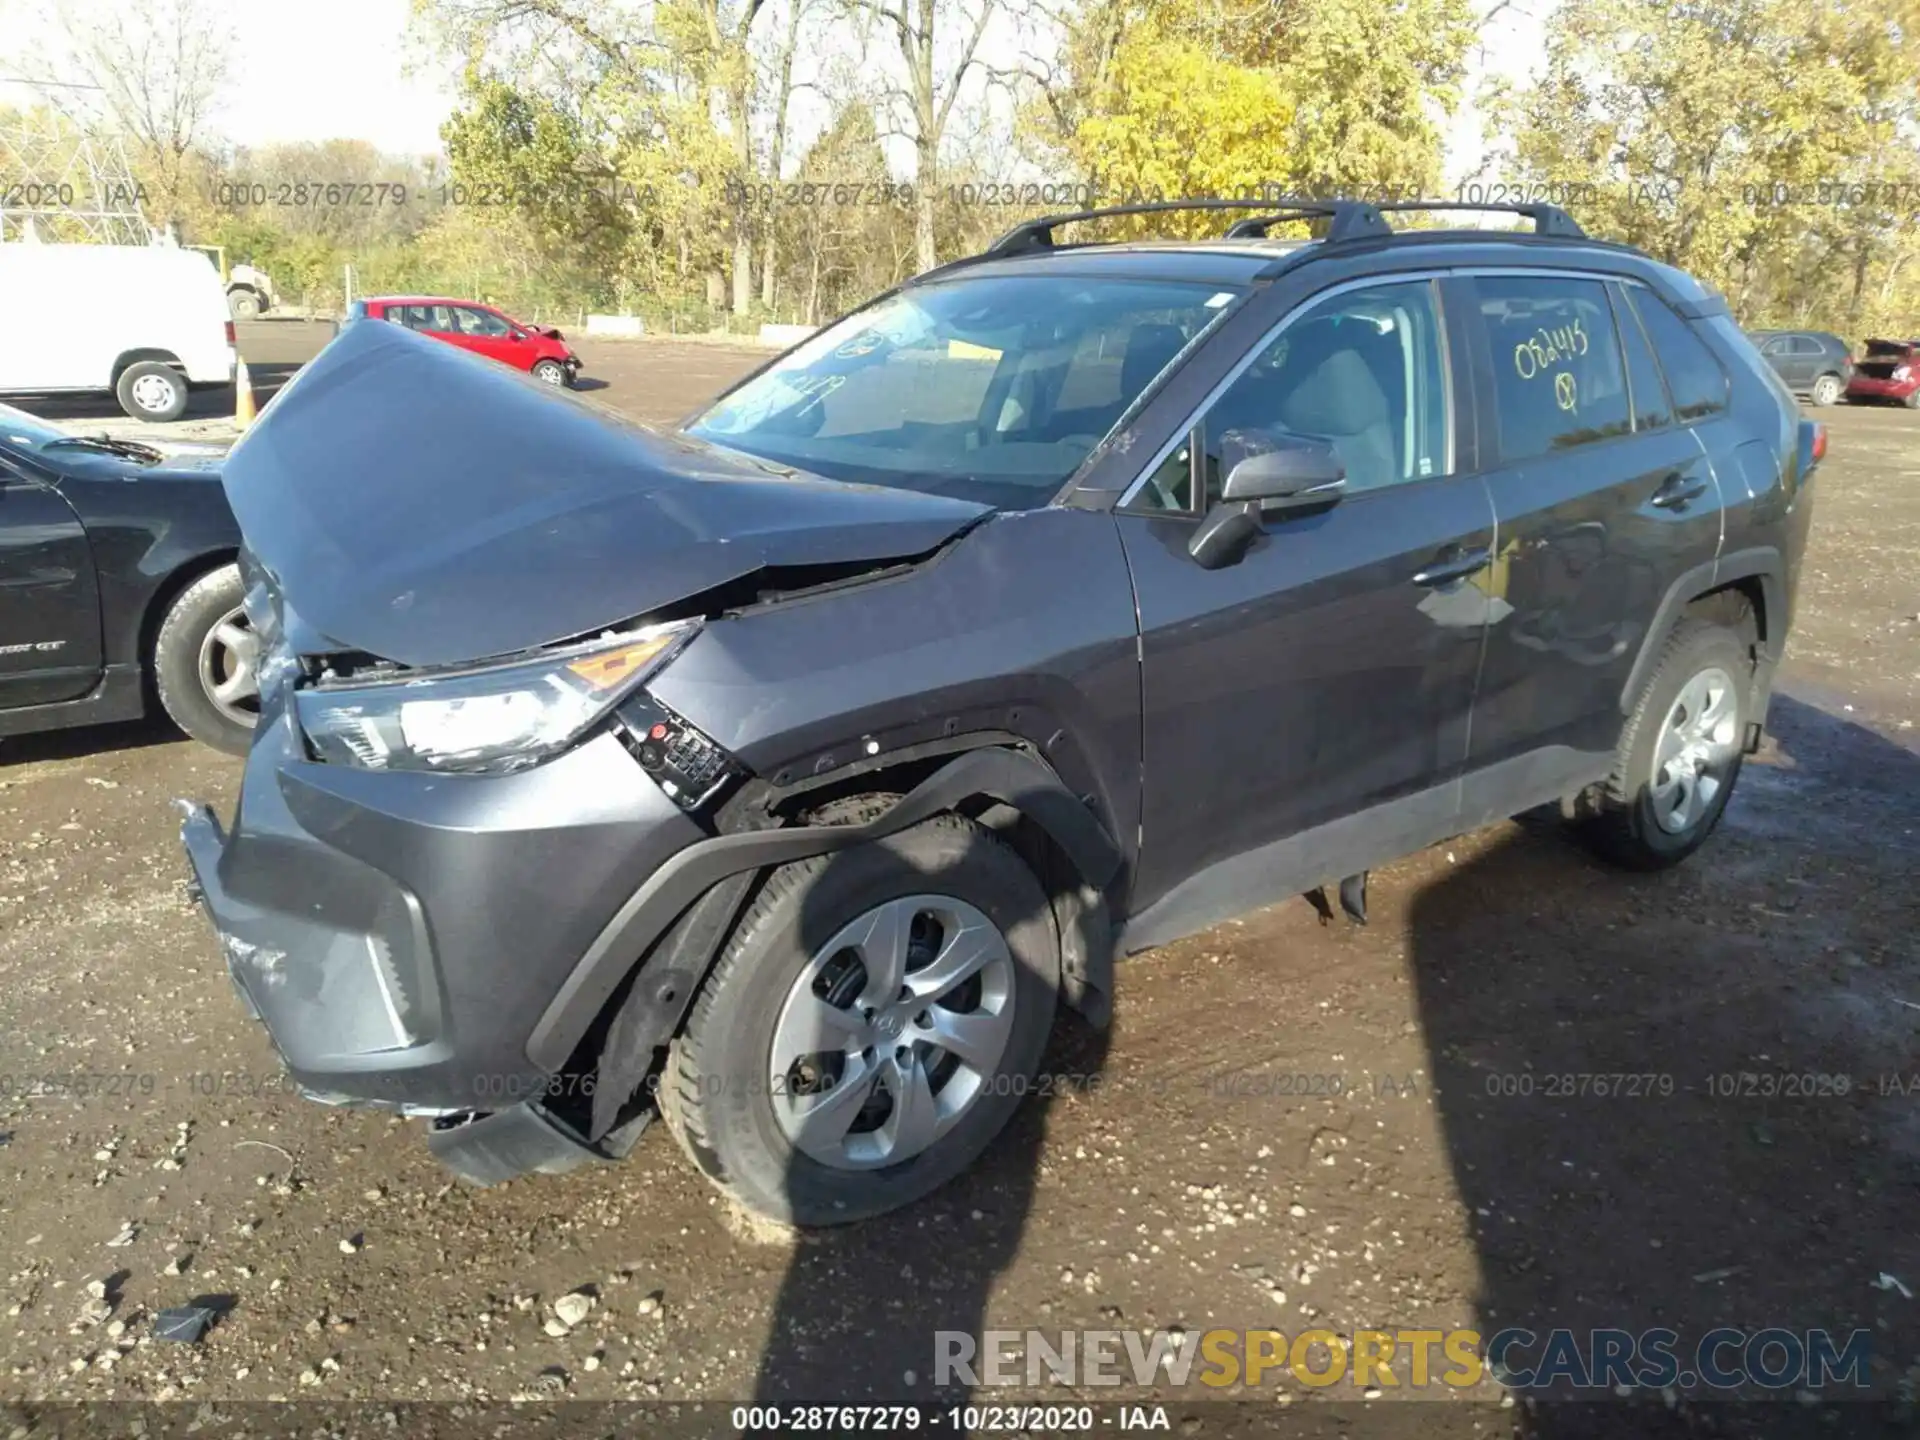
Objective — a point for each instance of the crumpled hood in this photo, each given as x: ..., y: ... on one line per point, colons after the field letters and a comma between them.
x: 431, y: 507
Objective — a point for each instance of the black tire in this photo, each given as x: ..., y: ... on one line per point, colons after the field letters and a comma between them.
x: 177, y: 650
x: 1627, y: 829
x: 715, y: 1090
x: 244, y: 305
x: 152, y: 390
x: 551, y: 372
x: 1827, y: 390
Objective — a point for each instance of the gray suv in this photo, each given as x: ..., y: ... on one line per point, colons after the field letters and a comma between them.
x: 785, y: 772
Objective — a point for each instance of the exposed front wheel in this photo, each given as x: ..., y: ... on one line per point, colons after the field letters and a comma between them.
x: 870, y: 1027
x: 1680, y: 751
x: 1826, y: 390
x: 204, y: 663
x: 243, y: 305
x: 552, y: 372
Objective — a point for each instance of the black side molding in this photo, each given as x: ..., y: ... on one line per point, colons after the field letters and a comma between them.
x: 1012, y: 777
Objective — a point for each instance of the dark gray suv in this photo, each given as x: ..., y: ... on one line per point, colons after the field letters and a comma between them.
x: 783, y: 773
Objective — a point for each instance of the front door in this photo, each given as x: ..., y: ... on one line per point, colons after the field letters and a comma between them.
x: 1305, y: 708
x: 49, y: 603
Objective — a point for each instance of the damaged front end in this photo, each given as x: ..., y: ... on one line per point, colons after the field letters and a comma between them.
x: 460, y: 776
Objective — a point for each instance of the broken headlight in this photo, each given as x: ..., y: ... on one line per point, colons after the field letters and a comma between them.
x: 487, y: 720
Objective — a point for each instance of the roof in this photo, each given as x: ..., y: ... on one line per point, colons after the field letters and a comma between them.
x: 423, y: 300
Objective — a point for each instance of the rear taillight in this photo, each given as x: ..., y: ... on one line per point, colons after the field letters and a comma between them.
x: 233, y: 337
x: 1819, y: 442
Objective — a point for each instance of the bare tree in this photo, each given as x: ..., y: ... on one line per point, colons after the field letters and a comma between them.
x: 933, y: 83
x: 161, y: 67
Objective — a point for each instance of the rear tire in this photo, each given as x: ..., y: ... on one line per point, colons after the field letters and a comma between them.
x: 152, y: 390
x: 1680, y: 751
x: 951, y: 886
x: 1826, y: 390
x: 203, y: 645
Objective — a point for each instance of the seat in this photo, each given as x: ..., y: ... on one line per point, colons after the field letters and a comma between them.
x: 1340, y: 401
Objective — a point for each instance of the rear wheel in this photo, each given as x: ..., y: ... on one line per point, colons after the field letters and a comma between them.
x: 152, y: 390
x: 204, y: 663
x: 1826, y: 390
x: 1680, y: 751
x: 870, y: 1027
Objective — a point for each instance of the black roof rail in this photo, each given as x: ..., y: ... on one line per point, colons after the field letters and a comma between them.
x: 1347, y: 219
x: 1547, y: 219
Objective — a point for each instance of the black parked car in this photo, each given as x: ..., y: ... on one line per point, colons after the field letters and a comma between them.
x: 794, y: 765
x: 121, y: 588
x: 1812, y: 362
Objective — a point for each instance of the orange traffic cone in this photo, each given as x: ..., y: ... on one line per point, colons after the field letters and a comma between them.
x: 243, y: 411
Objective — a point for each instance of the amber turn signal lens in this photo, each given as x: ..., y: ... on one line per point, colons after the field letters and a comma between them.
x: 610, y: 668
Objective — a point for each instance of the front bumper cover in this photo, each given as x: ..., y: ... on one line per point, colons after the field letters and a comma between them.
x: 400, y: 934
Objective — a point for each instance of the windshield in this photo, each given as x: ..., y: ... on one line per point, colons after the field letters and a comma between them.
x: 987, y: 389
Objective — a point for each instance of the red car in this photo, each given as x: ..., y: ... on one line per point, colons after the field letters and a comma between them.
x: 482, y: 329
x: 1890, y: 370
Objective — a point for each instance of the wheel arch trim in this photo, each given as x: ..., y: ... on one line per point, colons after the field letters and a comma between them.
x: 1012, y: 777
x: 1761, y: 562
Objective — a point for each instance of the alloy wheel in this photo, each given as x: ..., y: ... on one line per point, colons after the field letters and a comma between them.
x: 229, y: 667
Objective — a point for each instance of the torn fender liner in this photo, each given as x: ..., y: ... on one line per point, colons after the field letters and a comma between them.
x: 431, y: 507
x: 1011, y: 776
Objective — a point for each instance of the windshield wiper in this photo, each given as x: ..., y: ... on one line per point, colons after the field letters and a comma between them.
x: 107, y: 445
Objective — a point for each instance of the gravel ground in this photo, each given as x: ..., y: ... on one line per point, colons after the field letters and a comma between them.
x: 1427, y: 1177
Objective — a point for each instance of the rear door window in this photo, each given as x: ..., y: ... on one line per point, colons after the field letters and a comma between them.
x: 1698, y: 383
x: 1559, y: 380
x: 1648, y: 391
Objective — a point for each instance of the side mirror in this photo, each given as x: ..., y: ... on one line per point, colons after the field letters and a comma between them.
x: 1294, y: 473
x: 1290, y: 473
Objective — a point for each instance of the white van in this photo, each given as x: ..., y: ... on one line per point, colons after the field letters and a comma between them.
x: 141, y: 321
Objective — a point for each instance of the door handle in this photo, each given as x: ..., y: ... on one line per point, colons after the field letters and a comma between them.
x: 1456, y: 567
x: 1677, y: 492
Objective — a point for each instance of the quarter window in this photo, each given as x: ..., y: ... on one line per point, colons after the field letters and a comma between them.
x: 1361, y: 370
x: 1698, y: 383
x: 1558, y: 378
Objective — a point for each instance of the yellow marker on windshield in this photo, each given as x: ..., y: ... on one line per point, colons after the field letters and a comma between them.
x: 963, y: 350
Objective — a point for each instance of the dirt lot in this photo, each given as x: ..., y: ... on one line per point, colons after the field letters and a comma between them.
x: 1431, y: 1179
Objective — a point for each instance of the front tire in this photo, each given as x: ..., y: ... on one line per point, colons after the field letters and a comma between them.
x: 152, y: 390
x: 204, y: 663
x: 1680, y: 751
x: 870, y: 1027
x: 550, y: 372
x: 244, y: 305
x: 1826, y: 390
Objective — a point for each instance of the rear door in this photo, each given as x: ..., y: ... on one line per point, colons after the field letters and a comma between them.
x: 1330, y: 670
x: 49, y: 601
x: 1779, y: 354
x: 1603, y: 497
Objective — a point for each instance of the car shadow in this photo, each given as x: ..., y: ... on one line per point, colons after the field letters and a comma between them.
x: 83, y: 740
x: 588, y: 382
x: 1660, y: 1094
x: 860, y: 1306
